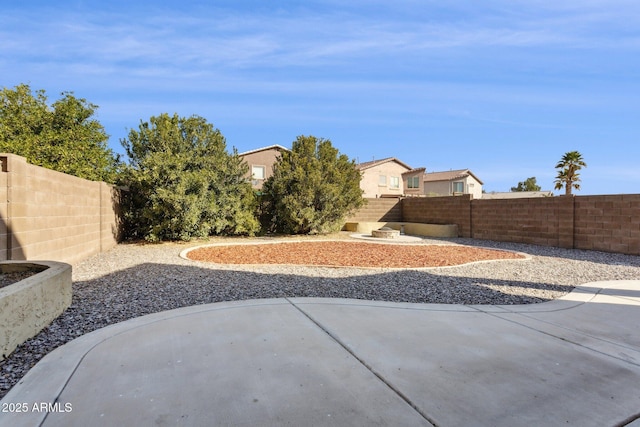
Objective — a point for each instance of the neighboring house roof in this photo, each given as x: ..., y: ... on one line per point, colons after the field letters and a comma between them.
x: 416, y: 170
x: 367, y: 165
x: 270, y: 147
x: 449, y: 175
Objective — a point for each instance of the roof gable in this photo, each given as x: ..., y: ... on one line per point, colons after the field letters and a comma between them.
x: 368, y: 165
x: 270, y: 147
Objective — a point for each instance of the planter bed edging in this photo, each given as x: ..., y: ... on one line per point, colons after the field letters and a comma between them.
x: 410, y: 228
x: 28, y: 306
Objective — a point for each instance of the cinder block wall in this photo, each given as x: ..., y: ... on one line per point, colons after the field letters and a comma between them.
x: 4, y: 210
x: 540, y: 221
x: 439, y: 210
x: 608, y: 223
x: 48, y: 215
x: 379, y: 210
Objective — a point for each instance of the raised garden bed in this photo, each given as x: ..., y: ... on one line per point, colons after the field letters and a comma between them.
x: 40, y: 294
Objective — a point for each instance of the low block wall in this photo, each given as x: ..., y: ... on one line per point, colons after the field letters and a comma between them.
x: 28, y: 306
x: 411, y: 228
x: 51, y: 215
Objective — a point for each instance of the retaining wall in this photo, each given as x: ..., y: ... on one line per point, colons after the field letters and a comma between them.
x: 50, y: 215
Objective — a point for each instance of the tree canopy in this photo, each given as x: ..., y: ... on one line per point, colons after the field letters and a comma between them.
x: 64, y: 136
x: 568, y: 176
x: 528, y: 184
x: 183, y: 183
x: 312, y: 189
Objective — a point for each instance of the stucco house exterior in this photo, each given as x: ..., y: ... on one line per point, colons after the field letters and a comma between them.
x: 261, y: 162
x: 383, y: 178
x: 414, y: 182
x: 451, y: 183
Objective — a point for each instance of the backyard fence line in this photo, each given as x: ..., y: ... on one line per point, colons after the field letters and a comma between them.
x: 609, y: 223
x: 49, y: 215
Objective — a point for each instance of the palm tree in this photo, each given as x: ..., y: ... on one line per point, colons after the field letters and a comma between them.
x: 568, y: 176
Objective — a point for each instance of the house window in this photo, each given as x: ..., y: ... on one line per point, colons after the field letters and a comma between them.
x: 394, y: 182
x: 257, y: 172
x: 382, y: 180
x: 458, y: 187
x: 413, y: 182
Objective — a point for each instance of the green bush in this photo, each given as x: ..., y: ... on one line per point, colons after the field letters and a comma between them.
x: 312, y: 189
x: 64, y: 136
x: 183, y: 183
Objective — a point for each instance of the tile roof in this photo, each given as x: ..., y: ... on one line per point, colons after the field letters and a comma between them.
x: 414, y: 170
x: 449, y: 175
x: 367, y: 165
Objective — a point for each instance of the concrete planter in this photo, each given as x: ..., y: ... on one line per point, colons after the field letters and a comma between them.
x: 28, y: 306
x: 410, y: 228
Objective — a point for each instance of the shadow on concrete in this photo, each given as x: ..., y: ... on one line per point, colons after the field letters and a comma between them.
x: 151, y: 287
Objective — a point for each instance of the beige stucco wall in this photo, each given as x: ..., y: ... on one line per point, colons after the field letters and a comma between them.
x: 437, y: 188
x: 370, y: 178
x: 264, y: 158
x: 473, y: 187
x: 445, y: 188
x: 49, y: 215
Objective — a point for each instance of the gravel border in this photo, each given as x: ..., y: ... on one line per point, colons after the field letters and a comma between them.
x: 132, y: 280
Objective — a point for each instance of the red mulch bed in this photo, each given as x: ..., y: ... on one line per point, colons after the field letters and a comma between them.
x: 348, y: 254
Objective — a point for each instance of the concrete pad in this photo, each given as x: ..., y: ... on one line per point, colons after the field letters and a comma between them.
x: 501, y: 369
x: 251, y: 364
x: 314, y: 361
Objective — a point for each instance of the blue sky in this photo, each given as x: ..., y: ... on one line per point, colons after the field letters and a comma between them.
x: 503, y: 87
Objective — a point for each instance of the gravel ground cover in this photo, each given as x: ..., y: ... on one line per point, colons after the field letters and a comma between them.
x: 7, y: 279
x: 132, y: 280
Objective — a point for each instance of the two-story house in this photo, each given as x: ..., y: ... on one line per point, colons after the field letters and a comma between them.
x: 383, y: 178
x: 261, y: 162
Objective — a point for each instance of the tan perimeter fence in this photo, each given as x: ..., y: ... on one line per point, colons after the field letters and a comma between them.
x: 48, y: 215
x: 609, y: 223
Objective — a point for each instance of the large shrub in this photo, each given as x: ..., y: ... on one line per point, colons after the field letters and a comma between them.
x: 183, y: 183
x: 312, y: 189
x: 64, y: 136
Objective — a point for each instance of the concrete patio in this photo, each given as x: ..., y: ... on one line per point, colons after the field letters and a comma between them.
x: 337, y: 362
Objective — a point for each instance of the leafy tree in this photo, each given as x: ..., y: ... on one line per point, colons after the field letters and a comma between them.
x: 568, y: 176
x: 183, y: 183
x: 528, y: 184
x: 64, y: 136
x: 312, y: 189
